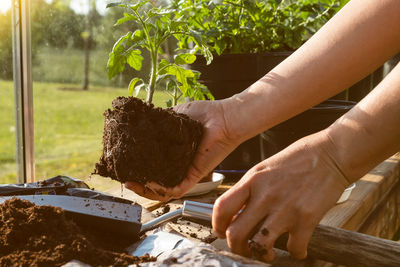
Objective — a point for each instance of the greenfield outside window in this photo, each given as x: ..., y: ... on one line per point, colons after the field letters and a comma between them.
x: 62, y: 50
x: 8, y: 168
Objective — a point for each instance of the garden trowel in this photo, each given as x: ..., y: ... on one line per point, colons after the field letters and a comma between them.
x: 112, y: 216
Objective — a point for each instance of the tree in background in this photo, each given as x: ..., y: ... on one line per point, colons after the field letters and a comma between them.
x: 55, y: 24
x: 52, y: 24
x: 91, y: 21
x: 6, y: 56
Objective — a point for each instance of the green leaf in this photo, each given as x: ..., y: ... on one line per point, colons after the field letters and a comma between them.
x: 176, y: 25
x: 137, y: 36
x: 139, y: 87
x: 159, y: 12
x: 207, y: 54
x: 138, y: 5
x: 117, y: 58
x: 134, y: 59
x: 181, y: 75
x: 168, y: 103
x: 132, y: 84
x: 182, y: 59
x: 127, y: 17
x: 171, y: 85
x: 115, y: 64
x: 161, y: 77
x: 118, y: 47
x: 161, y: 67
x: 115, y: 4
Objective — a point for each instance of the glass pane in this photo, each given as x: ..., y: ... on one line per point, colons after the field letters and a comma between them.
x: 68, y: 113
x: 8, y: 168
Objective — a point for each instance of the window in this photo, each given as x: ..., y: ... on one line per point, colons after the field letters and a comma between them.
x: 8, y: 168
x: 70, y: 45
x: 61, y: 50
x: 71, y: 41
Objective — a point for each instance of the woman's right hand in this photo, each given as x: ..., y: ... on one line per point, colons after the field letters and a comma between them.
x: 216, y: 144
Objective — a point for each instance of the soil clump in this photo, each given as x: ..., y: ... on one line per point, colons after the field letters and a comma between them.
x: 33, y: 235
x: 257, y: 250
x: 142, y: 143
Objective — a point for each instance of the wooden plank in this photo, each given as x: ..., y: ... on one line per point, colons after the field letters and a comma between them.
x: 384, y: 222
x: 359, y: 213
x: 367, y: 195
x: 349, y: 248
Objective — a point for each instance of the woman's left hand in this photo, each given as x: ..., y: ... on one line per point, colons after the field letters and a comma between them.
x: 289, y: 192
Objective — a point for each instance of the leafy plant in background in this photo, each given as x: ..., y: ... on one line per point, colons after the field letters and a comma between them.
x: 155, y: 26
x: 252, y: 26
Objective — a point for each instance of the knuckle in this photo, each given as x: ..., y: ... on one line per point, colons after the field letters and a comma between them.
x: 306, y: 215
x: 267, y: 241
x: 219, y: 205
x: 257, y: 169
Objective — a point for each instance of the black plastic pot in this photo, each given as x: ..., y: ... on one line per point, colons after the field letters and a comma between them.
x: 228, y: 75
x: 232, y: 73
x: 306, y: 123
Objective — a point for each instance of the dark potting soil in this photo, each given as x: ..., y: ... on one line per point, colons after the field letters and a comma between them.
x: 257, y: 251
x: 44, y: 236
x: 142, y: 143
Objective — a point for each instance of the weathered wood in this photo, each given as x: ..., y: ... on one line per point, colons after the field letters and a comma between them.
x: 370, y: 191
x: 349, y: 248
x: 384, y: 222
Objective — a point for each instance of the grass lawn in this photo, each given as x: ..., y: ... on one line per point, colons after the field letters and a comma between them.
x: 68, y: 128
x: 66, y: 66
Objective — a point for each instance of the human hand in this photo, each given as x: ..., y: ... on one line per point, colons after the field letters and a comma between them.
x: 289, y: 192
x: 216, y: 144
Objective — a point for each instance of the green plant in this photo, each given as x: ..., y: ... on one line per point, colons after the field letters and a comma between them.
x: 251, y: 26
x: 155, y: 26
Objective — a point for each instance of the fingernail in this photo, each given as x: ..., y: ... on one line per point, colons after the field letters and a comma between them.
x: 220, y: 236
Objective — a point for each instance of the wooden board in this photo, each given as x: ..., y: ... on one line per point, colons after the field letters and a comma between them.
x: 369, y: 193
x: 384, y: 222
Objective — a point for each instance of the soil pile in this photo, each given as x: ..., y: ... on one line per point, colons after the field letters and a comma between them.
x: 142, y: 143
x: 43, y: 236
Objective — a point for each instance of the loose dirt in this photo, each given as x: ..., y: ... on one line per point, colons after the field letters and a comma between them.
x: 257, y: 251
x: 44, y: 236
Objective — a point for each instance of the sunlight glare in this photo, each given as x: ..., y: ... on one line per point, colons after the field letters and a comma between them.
x: 5, y: 5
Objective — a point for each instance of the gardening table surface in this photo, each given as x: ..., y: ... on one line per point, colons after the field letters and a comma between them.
x: 372, y: 208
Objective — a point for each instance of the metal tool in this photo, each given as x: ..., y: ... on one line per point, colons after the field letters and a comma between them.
x: 115, y: 217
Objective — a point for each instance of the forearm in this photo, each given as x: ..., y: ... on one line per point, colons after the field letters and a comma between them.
x: 370, y: 132
x: 362, y: 36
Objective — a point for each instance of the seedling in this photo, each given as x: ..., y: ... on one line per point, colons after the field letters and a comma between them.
x: 154, y: 26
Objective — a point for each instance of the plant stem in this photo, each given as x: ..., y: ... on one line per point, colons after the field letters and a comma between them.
x: 153, y: 52
x: 153, y: 77
x: 175, y: 102
x: 240, y: 13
